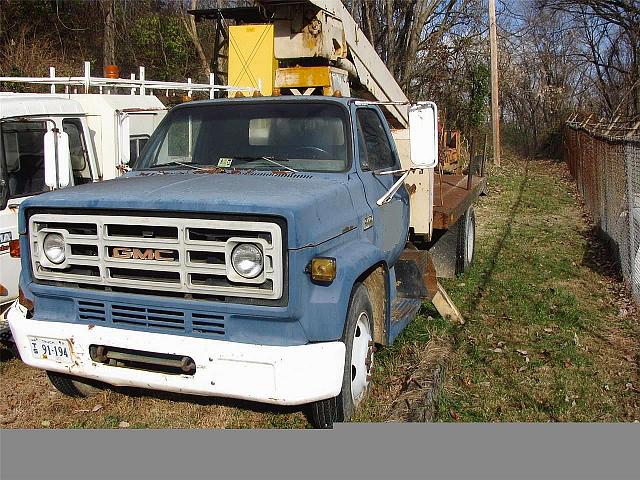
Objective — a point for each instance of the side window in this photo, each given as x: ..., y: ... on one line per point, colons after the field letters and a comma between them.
x: 136, y: 144
x: 78, y: 150
x: 180, y: 142
x: 379, y: 154
x: 23, y: 144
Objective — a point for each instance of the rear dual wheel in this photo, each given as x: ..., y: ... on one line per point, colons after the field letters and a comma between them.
x: 358, y: 340
x: 466, y: 241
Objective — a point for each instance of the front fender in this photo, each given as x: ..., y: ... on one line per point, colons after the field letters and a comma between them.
x: 327, y: 305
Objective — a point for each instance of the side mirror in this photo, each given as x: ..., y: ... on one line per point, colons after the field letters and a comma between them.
x: 423, y: 134
x: 124, y: 123
x: 57, y: 159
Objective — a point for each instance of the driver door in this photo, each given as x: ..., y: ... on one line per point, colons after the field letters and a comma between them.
x: 377, y: 153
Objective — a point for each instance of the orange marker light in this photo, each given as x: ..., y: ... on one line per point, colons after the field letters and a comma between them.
x: 323, y: 269
x: 14, y: 248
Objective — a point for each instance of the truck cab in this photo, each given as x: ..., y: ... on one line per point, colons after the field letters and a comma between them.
x: 24, y: 121
x: 257, y: 250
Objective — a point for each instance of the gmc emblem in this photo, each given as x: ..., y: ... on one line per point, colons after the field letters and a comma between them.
x: 148, y: 254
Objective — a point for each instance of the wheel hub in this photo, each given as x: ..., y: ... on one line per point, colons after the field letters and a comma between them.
x: 361, y: 358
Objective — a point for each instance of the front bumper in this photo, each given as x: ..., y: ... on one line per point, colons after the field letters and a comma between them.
x: 291, y: 375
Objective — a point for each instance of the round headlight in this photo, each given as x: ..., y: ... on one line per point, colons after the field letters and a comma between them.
x: 53, y: 247
x: 247, y: 260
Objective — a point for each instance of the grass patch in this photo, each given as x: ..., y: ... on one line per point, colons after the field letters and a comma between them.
x: 544, y: 338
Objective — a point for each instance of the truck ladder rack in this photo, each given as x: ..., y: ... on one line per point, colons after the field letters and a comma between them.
x: 141, y: 86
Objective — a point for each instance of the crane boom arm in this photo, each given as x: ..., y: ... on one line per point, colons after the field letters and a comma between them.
x: 371, y: 71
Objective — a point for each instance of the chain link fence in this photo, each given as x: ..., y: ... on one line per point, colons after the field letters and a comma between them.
x: 604, y: 159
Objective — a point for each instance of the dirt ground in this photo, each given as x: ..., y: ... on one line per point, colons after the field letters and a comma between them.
x: 550, y: 335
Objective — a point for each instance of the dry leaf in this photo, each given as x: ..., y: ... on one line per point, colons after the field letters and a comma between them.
x: 497, y: 350
x: 548, y: 330
x: 454, y: 415
x: 9, y: 418
x: 96, y: 408
x: 123, y: 425
x: 45, y: 423
x: 576, y: 340
x: 84, y: 410
x: 522, y: 368
x: 522, y: 352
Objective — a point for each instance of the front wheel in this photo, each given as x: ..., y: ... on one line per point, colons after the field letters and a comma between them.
x: 73, y: 386
x: 358, y: 340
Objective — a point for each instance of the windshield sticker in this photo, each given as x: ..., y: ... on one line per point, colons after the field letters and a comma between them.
x: 5, y: 237
x: 225, y: 162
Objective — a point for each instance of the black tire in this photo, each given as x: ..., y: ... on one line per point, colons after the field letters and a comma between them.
x: 73, y: 386
x: 466, y: 240
x: 324, y: 413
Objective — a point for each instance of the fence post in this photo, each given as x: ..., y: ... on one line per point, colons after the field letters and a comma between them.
x: 52, y: 74
x: 141, y: 76
x: 87, y: 76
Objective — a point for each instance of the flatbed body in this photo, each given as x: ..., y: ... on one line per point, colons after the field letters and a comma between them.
x: 452, y: 197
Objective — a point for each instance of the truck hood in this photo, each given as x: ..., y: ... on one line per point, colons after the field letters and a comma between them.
x: 316, y: 208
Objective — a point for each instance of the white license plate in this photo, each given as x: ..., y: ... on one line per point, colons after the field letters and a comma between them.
x: 52, y: 349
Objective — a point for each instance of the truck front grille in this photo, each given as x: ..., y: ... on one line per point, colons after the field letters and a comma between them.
x: 158, y: 255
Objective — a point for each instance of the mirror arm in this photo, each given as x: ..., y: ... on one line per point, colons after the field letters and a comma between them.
x: 394, y: 188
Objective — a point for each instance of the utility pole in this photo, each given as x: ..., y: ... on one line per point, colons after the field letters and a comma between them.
x: 495, y: 112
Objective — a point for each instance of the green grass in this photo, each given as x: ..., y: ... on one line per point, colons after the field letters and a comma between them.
x: 543, y: 339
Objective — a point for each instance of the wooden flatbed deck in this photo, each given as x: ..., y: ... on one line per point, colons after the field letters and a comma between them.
x: 451, y: 199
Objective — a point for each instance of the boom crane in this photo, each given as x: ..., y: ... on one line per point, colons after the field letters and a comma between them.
x: 316, y: 45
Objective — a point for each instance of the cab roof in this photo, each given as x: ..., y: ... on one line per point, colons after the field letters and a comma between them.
x: 278, y: 99
x: 31, y: 104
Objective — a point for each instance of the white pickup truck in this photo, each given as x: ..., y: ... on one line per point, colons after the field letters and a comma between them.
x: 98, y: 133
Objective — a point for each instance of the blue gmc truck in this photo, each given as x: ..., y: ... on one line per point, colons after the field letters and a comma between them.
x: 257, y: 250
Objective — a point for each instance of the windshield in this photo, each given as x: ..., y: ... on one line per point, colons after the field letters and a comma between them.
x: 293, y: 136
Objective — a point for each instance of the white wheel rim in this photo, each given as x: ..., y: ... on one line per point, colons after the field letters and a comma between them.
x: 361, y: 351
x: 471, y: 233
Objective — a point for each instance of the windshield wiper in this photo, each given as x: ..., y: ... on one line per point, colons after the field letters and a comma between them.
x: 176, y: 164
x: 270, y: 160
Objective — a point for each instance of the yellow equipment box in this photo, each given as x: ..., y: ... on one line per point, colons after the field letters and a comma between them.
x: 251, y: 57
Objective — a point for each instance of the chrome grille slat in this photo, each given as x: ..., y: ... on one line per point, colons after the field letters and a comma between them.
x: 133, y: 272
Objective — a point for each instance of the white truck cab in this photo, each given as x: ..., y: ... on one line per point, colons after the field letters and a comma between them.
x: 101, y: 133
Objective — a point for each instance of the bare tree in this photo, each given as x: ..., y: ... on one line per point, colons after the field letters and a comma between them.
x: 611, y: 39
x: 109, y: 38
x: 189, y: 23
